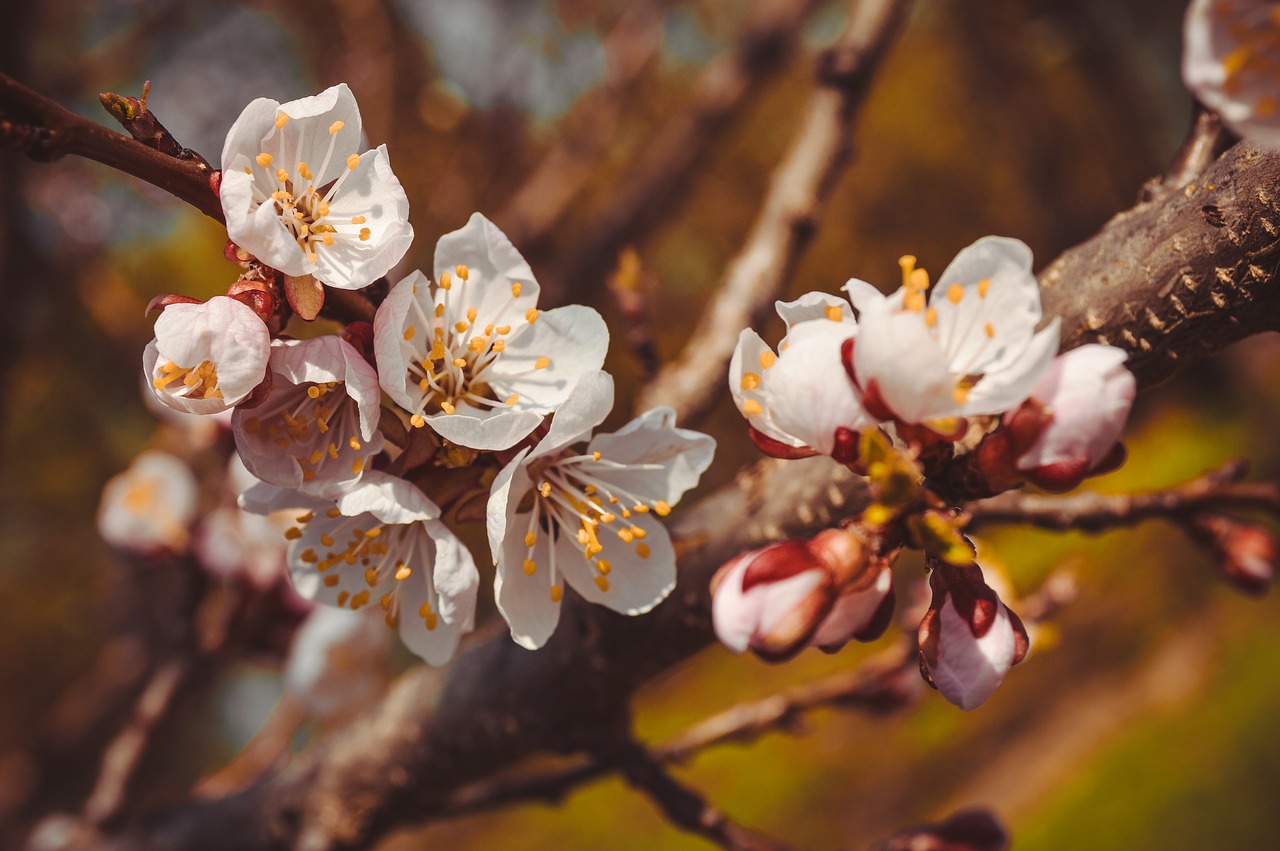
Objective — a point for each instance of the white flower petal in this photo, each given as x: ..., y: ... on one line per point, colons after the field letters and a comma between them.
x: 574, y: 339
x: 221, y: 335
x: 862, y: 295
x: 493, y: 266
x: 634, y: 584
x: 746, y: 378
x: 370, y: 192
x: 809, y: 393
x: 524, y: 599
x: 588, y: 404
x: 455, y: 576
x: 484, y: 428
x: 661, y: 461
x: 814, y: 305
x: 389, y: 498
x: 895, y: 350
x: 1000, y: 391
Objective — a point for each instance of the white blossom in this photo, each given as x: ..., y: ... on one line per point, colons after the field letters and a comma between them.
x: 381, y: 543
x: 317, y: 429
x: 298, y: 196
x: 208, y: 357
x: 148, y: 508
x: 586, y: 518
x: 233, y: 543
x: 969, y: 349
x: 800, y: 400
x: 472, y: 356
x: 1231, y: 62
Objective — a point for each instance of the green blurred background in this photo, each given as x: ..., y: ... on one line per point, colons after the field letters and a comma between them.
x: 1148, y: 724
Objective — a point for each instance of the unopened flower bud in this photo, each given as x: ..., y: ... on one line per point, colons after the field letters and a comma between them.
x: 795, y: 594
x: 968, y: 830
x: 969, y: 639
x: 1246, y: 552
x: 1070, y: 426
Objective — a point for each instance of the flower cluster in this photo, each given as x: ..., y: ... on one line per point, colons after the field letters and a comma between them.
x: 930, y: 391
x: 375, y: 442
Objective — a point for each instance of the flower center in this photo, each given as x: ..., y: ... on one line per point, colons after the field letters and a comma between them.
x: 464, y: 345
x: 304, y: 208
x: 321, y: 429
x: 387, y: 553
x: 199, y: 381
x: 572, y: 499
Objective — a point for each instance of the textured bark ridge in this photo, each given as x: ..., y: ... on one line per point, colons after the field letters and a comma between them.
x: 1172, y: 281
x: 1176, y: 280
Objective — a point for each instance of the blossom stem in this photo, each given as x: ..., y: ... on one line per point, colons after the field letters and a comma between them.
x: 45, y: 131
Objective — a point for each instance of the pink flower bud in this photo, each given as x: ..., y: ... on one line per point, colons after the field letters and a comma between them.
x: 1246, y: 551
x: 787, y: 596
x: 968, y: 639
x: 1071, y: 424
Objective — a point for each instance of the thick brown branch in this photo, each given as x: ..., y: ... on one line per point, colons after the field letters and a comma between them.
x: 1219, y: 490
x: 1176, y: 280
x: 45, y: 131
x: 791, y: 213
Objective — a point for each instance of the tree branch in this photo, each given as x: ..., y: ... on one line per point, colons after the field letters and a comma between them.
x: 790, y: 215
x: 45, y: 131
x: 1218, y: 490
x: 689, y: 810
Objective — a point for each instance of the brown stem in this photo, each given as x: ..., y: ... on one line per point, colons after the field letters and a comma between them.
x: 1217, y: 490
x: 790, y: 215
x: 689, y: 810
x: 45, y: 131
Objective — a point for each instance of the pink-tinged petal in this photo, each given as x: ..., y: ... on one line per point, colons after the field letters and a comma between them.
x: 568, y: 342
x: 853, y: 613
x: 1086, y: 394
x: 431, y: 636
x: 969, y: 669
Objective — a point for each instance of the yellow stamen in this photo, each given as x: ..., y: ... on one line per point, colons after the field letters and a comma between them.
x: 281, y: 120
x: 767, y: 359
x: 462, y: 271
x: 336, y: 126
x: 834, y: 312
x: 542, y: 363
x: 752, y: 407
x: 263, y: 159
x: 353, y: 161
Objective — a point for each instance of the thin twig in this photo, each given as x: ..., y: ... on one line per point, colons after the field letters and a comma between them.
x: 689, y: 810
x: 123, y: 757
x: 43, y: 130
x: 1218, y: 490
x: 792, y: 210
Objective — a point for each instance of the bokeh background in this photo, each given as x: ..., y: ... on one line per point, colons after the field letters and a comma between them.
x: 1148, y: 723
